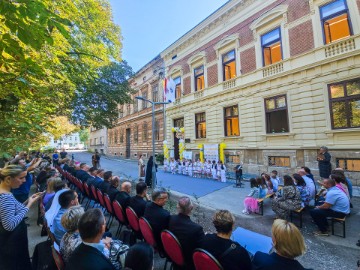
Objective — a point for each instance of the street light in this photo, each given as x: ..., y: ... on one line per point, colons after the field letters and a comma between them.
x: 153, y: 171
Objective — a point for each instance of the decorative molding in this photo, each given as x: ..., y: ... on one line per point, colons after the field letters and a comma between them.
x: 197, y: 57
x: 270, y: 15
x: 340, y: 47
x: 226, y: 41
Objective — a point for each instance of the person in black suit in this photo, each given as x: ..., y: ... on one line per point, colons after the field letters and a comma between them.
x: 288, y: 243
x: 113, y: 189
x: 89, y: 254
x: 138, y: 202
x: 83, y: 174
x: 186, y: 231
x: 123, y: 196
x: 105, y: 185
x: 230, y: 254
x: 157, y: 216
x: 92, y: 174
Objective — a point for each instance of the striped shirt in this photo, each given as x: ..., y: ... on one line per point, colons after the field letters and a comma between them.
x: 12, y: 212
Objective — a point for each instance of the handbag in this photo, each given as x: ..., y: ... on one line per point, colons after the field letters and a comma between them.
x: 117, y: 253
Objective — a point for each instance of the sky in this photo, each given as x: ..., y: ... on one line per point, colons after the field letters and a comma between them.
x: 150, y: 26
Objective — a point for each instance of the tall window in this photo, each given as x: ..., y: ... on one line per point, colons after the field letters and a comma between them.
x: 121, y: 136
x: 276, y: 115
x: 231, y: 120
x: 229, y: 66
x: 271, y: 47
x: 345, y: 104
x: 136, y: 133
x: 116, y: 136
x: 155, y: 93
x: 157, y: 130
x: 128, y: 109
x: 199, y: 78
x: 200, y: 125
x: 135, y: 105
x: 144, y: 103
x: 121, y: 111
x: 177, y: 82
x: 144, y: 132
x: 335, y: 21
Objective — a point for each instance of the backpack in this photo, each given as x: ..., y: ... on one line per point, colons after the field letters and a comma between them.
x: 117, y: 253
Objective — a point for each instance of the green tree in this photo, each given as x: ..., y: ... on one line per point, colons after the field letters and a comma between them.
x: 47, y: 50
x: 84, y: 135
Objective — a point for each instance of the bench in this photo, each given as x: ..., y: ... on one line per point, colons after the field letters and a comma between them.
x: 337, y: 220
x: 261, y: 201
x: 298, y: 212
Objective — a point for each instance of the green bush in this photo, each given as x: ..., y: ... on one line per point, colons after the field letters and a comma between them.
x: 160, y: 158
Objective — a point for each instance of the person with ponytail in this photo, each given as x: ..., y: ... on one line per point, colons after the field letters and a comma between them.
x: 14, y: 252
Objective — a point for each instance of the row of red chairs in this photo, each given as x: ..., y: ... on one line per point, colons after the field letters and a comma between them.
x: 203, y: 260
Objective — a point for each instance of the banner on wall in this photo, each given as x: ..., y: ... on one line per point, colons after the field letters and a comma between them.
x: 211, y: 152
x: 187, y: 155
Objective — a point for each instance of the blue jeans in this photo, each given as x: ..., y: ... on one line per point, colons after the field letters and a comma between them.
x: 320, y: 215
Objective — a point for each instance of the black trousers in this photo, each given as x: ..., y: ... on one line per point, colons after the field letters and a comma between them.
x: 320, y: 215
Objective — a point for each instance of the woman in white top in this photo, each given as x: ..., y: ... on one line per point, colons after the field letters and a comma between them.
x: 222, y: 172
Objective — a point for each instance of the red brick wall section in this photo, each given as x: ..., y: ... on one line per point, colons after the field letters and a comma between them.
x: 186, y: 68
x: 187, y: 85
x: 248, y: 60
x: 210, y: 54
x: 212, y: 75
x: 301, y: 38
x: 297, y: 9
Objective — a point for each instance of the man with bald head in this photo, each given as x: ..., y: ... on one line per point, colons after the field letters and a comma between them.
x: 187, y: 232
x: 123, y: 196
x: 310, y: 184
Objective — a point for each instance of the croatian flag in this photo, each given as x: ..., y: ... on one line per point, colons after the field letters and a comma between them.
x: 169, y: 90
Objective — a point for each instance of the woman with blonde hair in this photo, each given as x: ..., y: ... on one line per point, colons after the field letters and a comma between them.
x: 14, y: 253
x: 288, y: 244
x: 71, y: 238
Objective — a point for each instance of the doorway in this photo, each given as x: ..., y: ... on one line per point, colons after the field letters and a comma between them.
x: 127, y: 143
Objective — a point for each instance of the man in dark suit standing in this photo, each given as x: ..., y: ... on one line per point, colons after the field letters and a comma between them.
x: 157, y: 216
x: 189, y: 233
x: 138, y: 202
x: 89, y: 254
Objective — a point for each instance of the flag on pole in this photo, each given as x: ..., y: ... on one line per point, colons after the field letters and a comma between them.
x: 169, y: 90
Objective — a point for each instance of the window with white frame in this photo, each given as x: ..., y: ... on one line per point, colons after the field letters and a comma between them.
x: 177, y: 82
x: 229, y: 65
x: 199, y: 78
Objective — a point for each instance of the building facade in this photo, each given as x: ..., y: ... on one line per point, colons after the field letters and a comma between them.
x: 98, y: 140
x: 132, y: 134
x: 70, y: 141
x: 272, y: 80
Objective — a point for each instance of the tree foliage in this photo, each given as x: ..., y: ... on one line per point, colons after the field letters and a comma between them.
x: 50, y: 52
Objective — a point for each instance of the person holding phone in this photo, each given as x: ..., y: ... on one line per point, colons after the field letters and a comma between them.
x: 14, y: 252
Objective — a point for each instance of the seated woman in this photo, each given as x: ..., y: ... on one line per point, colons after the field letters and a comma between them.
x: 303, y: 189
x: 290, y: 200
x: 251, y: 200
x: 262, y: 187
x: 268, y: 183
x: 288, y: 244
x: 140, y: 257
x: 71, y: 238
x: 217, y: 244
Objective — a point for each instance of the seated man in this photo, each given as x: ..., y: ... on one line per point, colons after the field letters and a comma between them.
x: 105, y: 185
x: 138, y: 202
x: 82, y: 174
x: 157, y: 216
x: 336, y: 205
x: 66, y: 200
x: 92, y: 174
x: 229, y: 253
x: 113, y: 189
x: 123, y: 196
x: 89, y: 254
x: 187, y: 232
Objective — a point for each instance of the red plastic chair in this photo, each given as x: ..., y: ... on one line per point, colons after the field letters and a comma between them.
x: 133, y: 219
x: 119, y: 214
x: 172, y: 247
x: 58, y: 259
x: 100, y: 197
x: 108, y: 204
x: 147, y: 232
x: 93, y: 191
x: 203, y: 260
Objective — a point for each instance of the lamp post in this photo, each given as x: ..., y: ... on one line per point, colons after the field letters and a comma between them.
x: 153, y: 170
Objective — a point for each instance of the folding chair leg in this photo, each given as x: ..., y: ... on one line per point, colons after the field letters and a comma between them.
x: 332, y: 227
x: 343, y: 223
x: 166, y: 261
